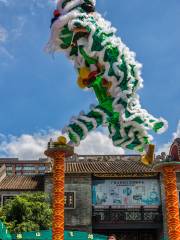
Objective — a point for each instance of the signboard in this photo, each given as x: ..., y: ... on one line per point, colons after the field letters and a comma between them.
x: 69, y: 200
x: 47, y: 235
x: 138, y: 192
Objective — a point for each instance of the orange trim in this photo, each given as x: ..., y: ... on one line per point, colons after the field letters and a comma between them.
x: 172, y: 203
x: 58, y: 196
x: 58, y: 154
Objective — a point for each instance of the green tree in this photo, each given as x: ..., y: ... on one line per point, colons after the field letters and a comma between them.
x: 27, y: 212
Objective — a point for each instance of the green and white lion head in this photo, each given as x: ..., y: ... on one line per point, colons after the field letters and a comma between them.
x: 68, y: 5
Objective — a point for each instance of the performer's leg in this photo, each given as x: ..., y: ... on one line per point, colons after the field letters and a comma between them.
x: 130, y: 138
x: 79, y: 127
x: 126, y: 137
x: 127, y: 102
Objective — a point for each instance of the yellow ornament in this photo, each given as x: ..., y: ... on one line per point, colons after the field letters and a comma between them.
x: 148, y: 158
x: 62, y: 140
x: 84, y: 72
x: 109, y: 85
x: 81, y: 83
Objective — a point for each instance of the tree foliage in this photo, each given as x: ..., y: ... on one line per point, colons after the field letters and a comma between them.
x: 27, y: 212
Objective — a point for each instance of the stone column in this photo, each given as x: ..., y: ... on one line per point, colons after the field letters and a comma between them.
x: 168, y: 165
x: 58, y: 152
x: 172, y: 203
x: 168, y: 169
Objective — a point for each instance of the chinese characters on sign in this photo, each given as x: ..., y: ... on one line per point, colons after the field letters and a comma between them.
x: 138, y: 192
x: 69, y: 200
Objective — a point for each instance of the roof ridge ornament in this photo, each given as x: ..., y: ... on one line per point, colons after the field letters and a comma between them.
x: 174, y: 151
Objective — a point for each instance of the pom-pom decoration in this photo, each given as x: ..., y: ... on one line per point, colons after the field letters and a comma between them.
x: 56, y: 13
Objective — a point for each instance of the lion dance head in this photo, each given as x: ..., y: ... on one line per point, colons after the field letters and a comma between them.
x: 65, y: 6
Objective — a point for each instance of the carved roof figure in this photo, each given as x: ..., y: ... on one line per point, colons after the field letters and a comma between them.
x: 175, y: 150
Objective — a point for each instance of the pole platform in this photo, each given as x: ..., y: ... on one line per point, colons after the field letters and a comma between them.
x: 58, y: 152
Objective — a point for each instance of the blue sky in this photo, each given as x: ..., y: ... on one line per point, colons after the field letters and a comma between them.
x: 39, y: 92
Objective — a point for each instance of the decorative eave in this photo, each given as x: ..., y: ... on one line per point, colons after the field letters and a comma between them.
x: 22, y: 183
x: 108, y: 166
x: 133, y: 175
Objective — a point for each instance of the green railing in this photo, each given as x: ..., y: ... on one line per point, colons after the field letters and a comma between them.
x: 47, y: 235
x: 4, y: 234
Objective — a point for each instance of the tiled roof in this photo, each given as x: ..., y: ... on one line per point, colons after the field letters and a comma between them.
x: 125, y: 165
x: 35, y: 183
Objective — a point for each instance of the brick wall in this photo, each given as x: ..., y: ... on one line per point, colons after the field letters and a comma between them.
x: 80, y: 217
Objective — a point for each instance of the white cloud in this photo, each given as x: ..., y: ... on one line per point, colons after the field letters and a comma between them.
x: 29, y: 146
x: 177, y: 133
x: 17, y: 31
x: 6, y: 2
x: 3, y: 34
x: 165, y: 147
x: 98, y: 143
x: 4, y: 52
x: 26, y: 146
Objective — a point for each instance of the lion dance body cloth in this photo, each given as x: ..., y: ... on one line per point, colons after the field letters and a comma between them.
x: 106, y: 65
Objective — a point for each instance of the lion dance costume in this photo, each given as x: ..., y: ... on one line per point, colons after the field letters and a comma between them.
x: 106, y: 65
